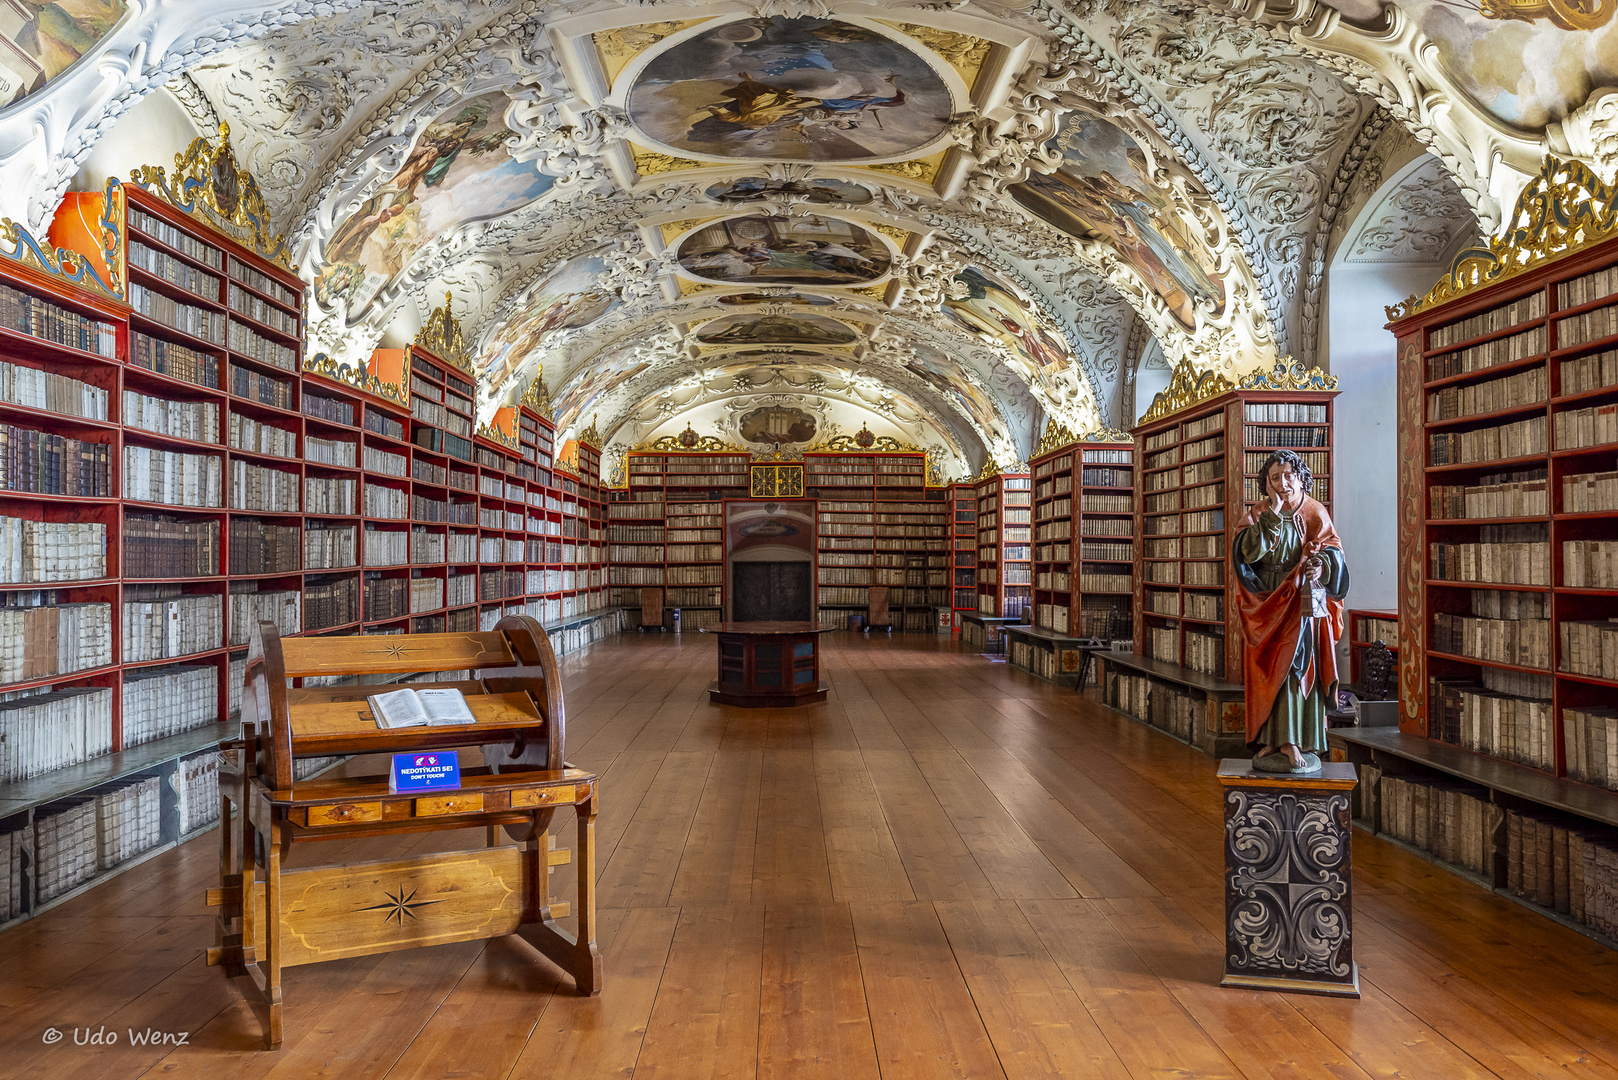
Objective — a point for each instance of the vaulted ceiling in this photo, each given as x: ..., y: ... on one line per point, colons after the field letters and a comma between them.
x: 956, y: 219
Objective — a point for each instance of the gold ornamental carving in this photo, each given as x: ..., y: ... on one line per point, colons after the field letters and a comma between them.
x: 1288, y: 374
x: 653, y: 163
x: 880, y: 444
x: 359, y: 378
x: 1187, y: 387
x: 963, y: 52
x: 618, y: 46
x: 897, y: 233
x: 1564, y: 209
x: 495, y: 435
x: 590, y: 436
x: 538, y: 398
x: 1572, y: 15
x: 443, y: 338
x: 70, y: 265
x: 703, y: 444
x: 775, y: 481
x: 671, y: 229
x: 922, y: 169
x: 1107, y: 434
x: 210, y: 186
x: 1056, y: 435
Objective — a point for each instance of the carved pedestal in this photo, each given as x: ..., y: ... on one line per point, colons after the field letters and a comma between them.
x: 1288, y: 872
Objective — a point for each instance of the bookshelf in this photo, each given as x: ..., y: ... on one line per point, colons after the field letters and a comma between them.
x: 1005, y: 545
x: 1508, y: 493
x: 963, y: 548
x: 1366, y: 627
x: 176, y: 471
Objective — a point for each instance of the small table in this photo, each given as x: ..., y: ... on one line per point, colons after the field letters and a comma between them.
x: 767, y: 665
x: 983, y: 632
x: 1288, y: 880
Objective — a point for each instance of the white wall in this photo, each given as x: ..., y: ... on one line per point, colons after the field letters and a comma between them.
x: 153, y: 130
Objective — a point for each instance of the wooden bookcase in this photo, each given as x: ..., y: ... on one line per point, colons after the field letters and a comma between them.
x: 1194, y: 482
x: 221, y: 479
x: 963, y: 547
x: 1005, y: 545
x: 1084, y: 534
x: 1364, y: 631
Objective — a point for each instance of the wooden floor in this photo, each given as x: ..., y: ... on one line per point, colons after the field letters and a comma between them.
x: 948, y: 869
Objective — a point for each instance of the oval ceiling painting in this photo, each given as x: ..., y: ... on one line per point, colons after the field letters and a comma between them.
x: 777, y: 424
x: 785, y: 329
x: 790, y: 89
x: 784, y: 251
x: 822, y: 191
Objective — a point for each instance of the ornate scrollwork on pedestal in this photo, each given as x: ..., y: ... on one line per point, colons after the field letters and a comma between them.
x: 211, y: 187
x: 1187, y: 386
x: 1287, y: 883
x: 1564, y: 209
x: 443, y: 338
x: 72, y: 265
x: 1288, y: 374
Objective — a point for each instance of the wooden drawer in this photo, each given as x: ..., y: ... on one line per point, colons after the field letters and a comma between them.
x: 449, y: 804
x: 543, y: 797
x: 345, y: 813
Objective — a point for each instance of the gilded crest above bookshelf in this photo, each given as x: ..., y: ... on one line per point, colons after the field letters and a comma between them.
x: 1107, y: 434
x: 442, y: 337
x: 359, y: 378
x: 1186, y: 387
x: 1288, y: 375
x: 1564, y: 209
x: 1056, y: 434
x: 210, y: 186
x: 538, y: 398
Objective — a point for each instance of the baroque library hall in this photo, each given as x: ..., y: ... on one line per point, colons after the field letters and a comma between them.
x: 759, y: 539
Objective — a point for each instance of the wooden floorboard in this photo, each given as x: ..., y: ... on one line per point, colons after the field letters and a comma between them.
x: 946, y: 869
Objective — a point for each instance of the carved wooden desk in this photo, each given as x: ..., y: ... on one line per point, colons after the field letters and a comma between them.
x: 273, y: 918
x: 765, y: 665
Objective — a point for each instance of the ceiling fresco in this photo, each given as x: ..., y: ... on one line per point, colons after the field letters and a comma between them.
x: 962, y: 211
x: 777, y: 250
x: 43, y: 40
x: 794, y: 89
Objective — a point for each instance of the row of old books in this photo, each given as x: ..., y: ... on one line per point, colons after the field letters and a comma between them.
x: 210, y: 326
x: 50, y: 392
x: 160, y: 264
x: 194, y: 420
x: 1517, y: 494
x: 258, y: 437
x: 386, y: 597
x: 1162, y: 705
x: 16, y: 846
x: 1529, y: 307
x: 173, y: 478
x: 36, y: 317
x: 319, y: 451
x: 1589, y: 493
x: 265, y: 489
x: 1595, y: 425
x: 1590, y: 647
x: 695, y: 552
x: 1498, y: 563
x: 129, y: 820
x: 1477, y: 716
x: 386, y: 502
x: 1287, y: 438
x: 1586, y: 326
x: 1093, y: 580
x: 331, y: 547
x: 197, y: 786
x: 64, y: 846
x: 1492, y: 395
x: 249, y: 607
x: 179, y: 240
x: 1590, y: 744
x: 41, y: 638
x: 1504, y: 350
x: 1524, y: 642
x: 41, y: 463
x: 1499, y: 443
x: 175, y: 361
x: 261, y: 547
x: 1585, y: 373
x: 52, y: 729
x: 1205, y: 652
x: 46, y: 552
x: 336, y: 602
x: 261, y: 311
x: 1590, y: 564
x: 1456, y: 822
x: 264, y: 389
x: 324, y: 495
x: 159, y: 623
x: 426, y: 594
x: 1563, y: 863
x: 427, y: 546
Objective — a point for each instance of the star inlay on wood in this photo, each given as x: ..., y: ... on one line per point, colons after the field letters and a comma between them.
x: 399, y: 904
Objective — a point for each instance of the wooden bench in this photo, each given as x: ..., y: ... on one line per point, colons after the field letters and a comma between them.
x: 271, y: 918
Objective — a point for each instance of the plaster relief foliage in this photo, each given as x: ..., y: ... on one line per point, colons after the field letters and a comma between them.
x: 1417, y: 221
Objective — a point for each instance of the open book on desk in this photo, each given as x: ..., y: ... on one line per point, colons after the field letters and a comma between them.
x: 414, y: 708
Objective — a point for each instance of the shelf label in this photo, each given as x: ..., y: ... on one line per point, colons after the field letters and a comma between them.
x: 425, y: 772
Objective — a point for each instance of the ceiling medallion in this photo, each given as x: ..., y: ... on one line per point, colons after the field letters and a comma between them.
x: 1288, y: 375
x: 1564, y: 209
x: 443, y: 338
x: 1186, y: 387
x: 210, y: 187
